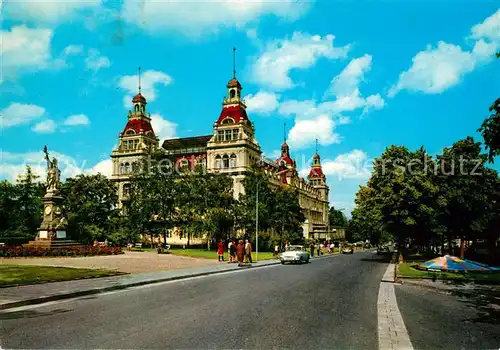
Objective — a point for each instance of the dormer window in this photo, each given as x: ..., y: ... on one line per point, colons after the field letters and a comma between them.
x: 130, y: 132
x: 228, y: 121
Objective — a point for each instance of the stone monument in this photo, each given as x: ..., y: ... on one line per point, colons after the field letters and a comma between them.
x: 52, y: 230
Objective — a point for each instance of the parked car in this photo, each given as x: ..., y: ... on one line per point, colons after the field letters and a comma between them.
x: 295, y: 254
x: 383, y: 250
x: 347, y: 249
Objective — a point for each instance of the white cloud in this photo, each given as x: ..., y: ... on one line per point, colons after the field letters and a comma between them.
x: 46, y: 12
x: 150, y: 81
x: 436, y: 69
x: 95, y: 61
x: 272, y: 68
x: 163, y: 128
x: 262, y: 102
x: 14, y: 164
x: 45, y: 127
x: 350, y: 78
x: 76, y: 119
x: 104, y: 167
x: 306, y: 131
x: 72, y: 50
x: 204, y: 18
x: 18, y: 114
x: 352, y: 165
x: 25, y: 49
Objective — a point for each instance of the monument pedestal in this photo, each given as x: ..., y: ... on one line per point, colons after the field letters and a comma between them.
x: 52, y: 231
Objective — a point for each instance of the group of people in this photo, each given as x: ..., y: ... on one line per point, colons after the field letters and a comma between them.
x: 240, y: 253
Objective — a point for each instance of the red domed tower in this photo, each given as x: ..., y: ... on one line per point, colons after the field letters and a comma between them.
x: 136, y: 141
x: 316, y: 176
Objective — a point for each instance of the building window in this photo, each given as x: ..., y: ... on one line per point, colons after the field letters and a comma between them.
x: 220, y: 135
x: 122, y: 168
x: 218, y: 163
x: 235, y: 134
x: 228, y: 134
x: 130, y: 132
x: 127, y: 168
x: 227, y: 121
x: 225, y: 161
x: 232, y: 93
x: 184, y: 163
x: 232, y: 161
x: 126, y: 190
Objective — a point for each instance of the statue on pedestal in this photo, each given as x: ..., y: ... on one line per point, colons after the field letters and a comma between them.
x: 53, y: 173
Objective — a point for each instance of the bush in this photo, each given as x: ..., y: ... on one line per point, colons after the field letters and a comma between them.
x: 14, y: 252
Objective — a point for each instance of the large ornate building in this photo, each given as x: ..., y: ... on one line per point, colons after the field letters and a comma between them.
x: 232, y: 148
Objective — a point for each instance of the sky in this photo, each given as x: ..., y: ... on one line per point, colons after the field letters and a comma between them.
x: 358, y: 76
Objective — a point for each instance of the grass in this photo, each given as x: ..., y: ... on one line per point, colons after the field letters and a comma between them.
x: 211, y: 254
x: 406, y: 271
x: 18, y: 275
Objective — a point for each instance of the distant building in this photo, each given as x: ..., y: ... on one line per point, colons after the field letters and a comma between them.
x: 231, y: 149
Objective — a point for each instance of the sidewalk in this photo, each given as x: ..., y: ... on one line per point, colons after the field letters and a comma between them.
x: 40, y: 293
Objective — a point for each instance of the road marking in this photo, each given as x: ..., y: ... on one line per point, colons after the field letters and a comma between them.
x: 392, y: 333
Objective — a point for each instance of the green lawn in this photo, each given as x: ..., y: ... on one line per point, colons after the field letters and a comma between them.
x: 211, y: 254
x: 17, y: 275
x: 405, y: 270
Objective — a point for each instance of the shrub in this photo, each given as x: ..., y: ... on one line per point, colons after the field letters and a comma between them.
x: 14, y: 252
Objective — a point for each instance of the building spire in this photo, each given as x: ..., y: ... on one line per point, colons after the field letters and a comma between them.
x: 234, y: 62
x: 139, y: 79
x: 316, y: 145
x: 284, y: 132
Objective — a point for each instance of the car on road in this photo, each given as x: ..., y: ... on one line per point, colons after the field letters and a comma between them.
x: 383, y: 250
x: 347, y: 249
x: 295, y: 254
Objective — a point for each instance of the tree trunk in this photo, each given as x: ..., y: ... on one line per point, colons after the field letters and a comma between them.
x: 189, y: 238
x: 462, y: 247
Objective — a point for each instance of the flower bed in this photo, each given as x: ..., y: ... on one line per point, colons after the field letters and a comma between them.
x: 16, y: 252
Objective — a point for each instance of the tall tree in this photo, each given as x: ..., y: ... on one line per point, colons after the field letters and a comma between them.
x: 29, y: 203
x: 286, y: 214
x: 337, y: 217
x: 90, y: 202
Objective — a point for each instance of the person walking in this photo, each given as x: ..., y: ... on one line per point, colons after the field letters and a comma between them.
x: 248, y: 251
x: 232, y: 252
x: 240, y: 252
x: 276, y: 250
x: 220, y: 251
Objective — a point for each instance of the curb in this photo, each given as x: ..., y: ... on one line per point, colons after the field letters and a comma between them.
x: 130, y: 285
x: 117, y: 287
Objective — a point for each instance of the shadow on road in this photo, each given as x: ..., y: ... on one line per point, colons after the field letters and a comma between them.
x: 30, y: 314
x: 485, y: 299
x: 383, y: 258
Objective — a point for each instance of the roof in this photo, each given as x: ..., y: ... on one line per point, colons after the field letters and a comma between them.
x: 139, y: 124
x: 316, y: 172
x: 186, y: 142
x: 286, y: 158
x: 233, y: 83
x: 139, y: 98
x: 235, y: 112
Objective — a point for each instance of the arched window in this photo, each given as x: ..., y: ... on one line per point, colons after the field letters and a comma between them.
x: 232, y: 161
x: 218, y: 163
x: 232, y: 93
x: 127, y: 168
x: 184, y: 163
x: 143, y: 108
x: 136, y: 108
x: 225, y: 161
x: 130, y: 132
x: 122, y: 168
x: 126, y: 190
x: 228, y: 121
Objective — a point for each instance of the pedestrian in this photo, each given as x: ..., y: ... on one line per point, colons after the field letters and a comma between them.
x: 240, y: 252
x: 232, y: 252
x: 318, y: 248
x: 311, y: 248
x: 220, y: 251
x: 248, y: 251
x: 276, y: 250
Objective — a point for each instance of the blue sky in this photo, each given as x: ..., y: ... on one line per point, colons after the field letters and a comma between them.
x: 358, y: 76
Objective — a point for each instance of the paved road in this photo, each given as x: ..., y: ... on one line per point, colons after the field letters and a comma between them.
x: 456, y: 318
x: 331, y: 302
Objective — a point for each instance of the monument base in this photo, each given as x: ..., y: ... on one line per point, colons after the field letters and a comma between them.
x: 52, y: 240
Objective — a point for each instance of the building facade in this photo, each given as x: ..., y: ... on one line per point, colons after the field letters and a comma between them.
x: 231, y: 149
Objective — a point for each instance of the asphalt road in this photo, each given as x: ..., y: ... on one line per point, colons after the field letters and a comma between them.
x: 331, y: 302
x: 462, y: 317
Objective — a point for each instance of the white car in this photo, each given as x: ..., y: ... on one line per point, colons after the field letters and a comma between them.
x: 296, y: 254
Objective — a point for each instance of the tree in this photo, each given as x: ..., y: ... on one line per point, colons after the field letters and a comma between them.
x: 90, y: 202
x: 286, y: 214
x: 337, y: 217
x: 469, y: 190
x: 29, y: 203
x: 490, y: 129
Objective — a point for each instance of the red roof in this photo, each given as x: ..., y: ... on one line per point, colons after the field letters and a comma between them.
x: 233, y: 83
x: 139, y: 124
x: 315, y: 172
x: 237, y: 113
x: 139, y: 98
x: 286, y: 159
